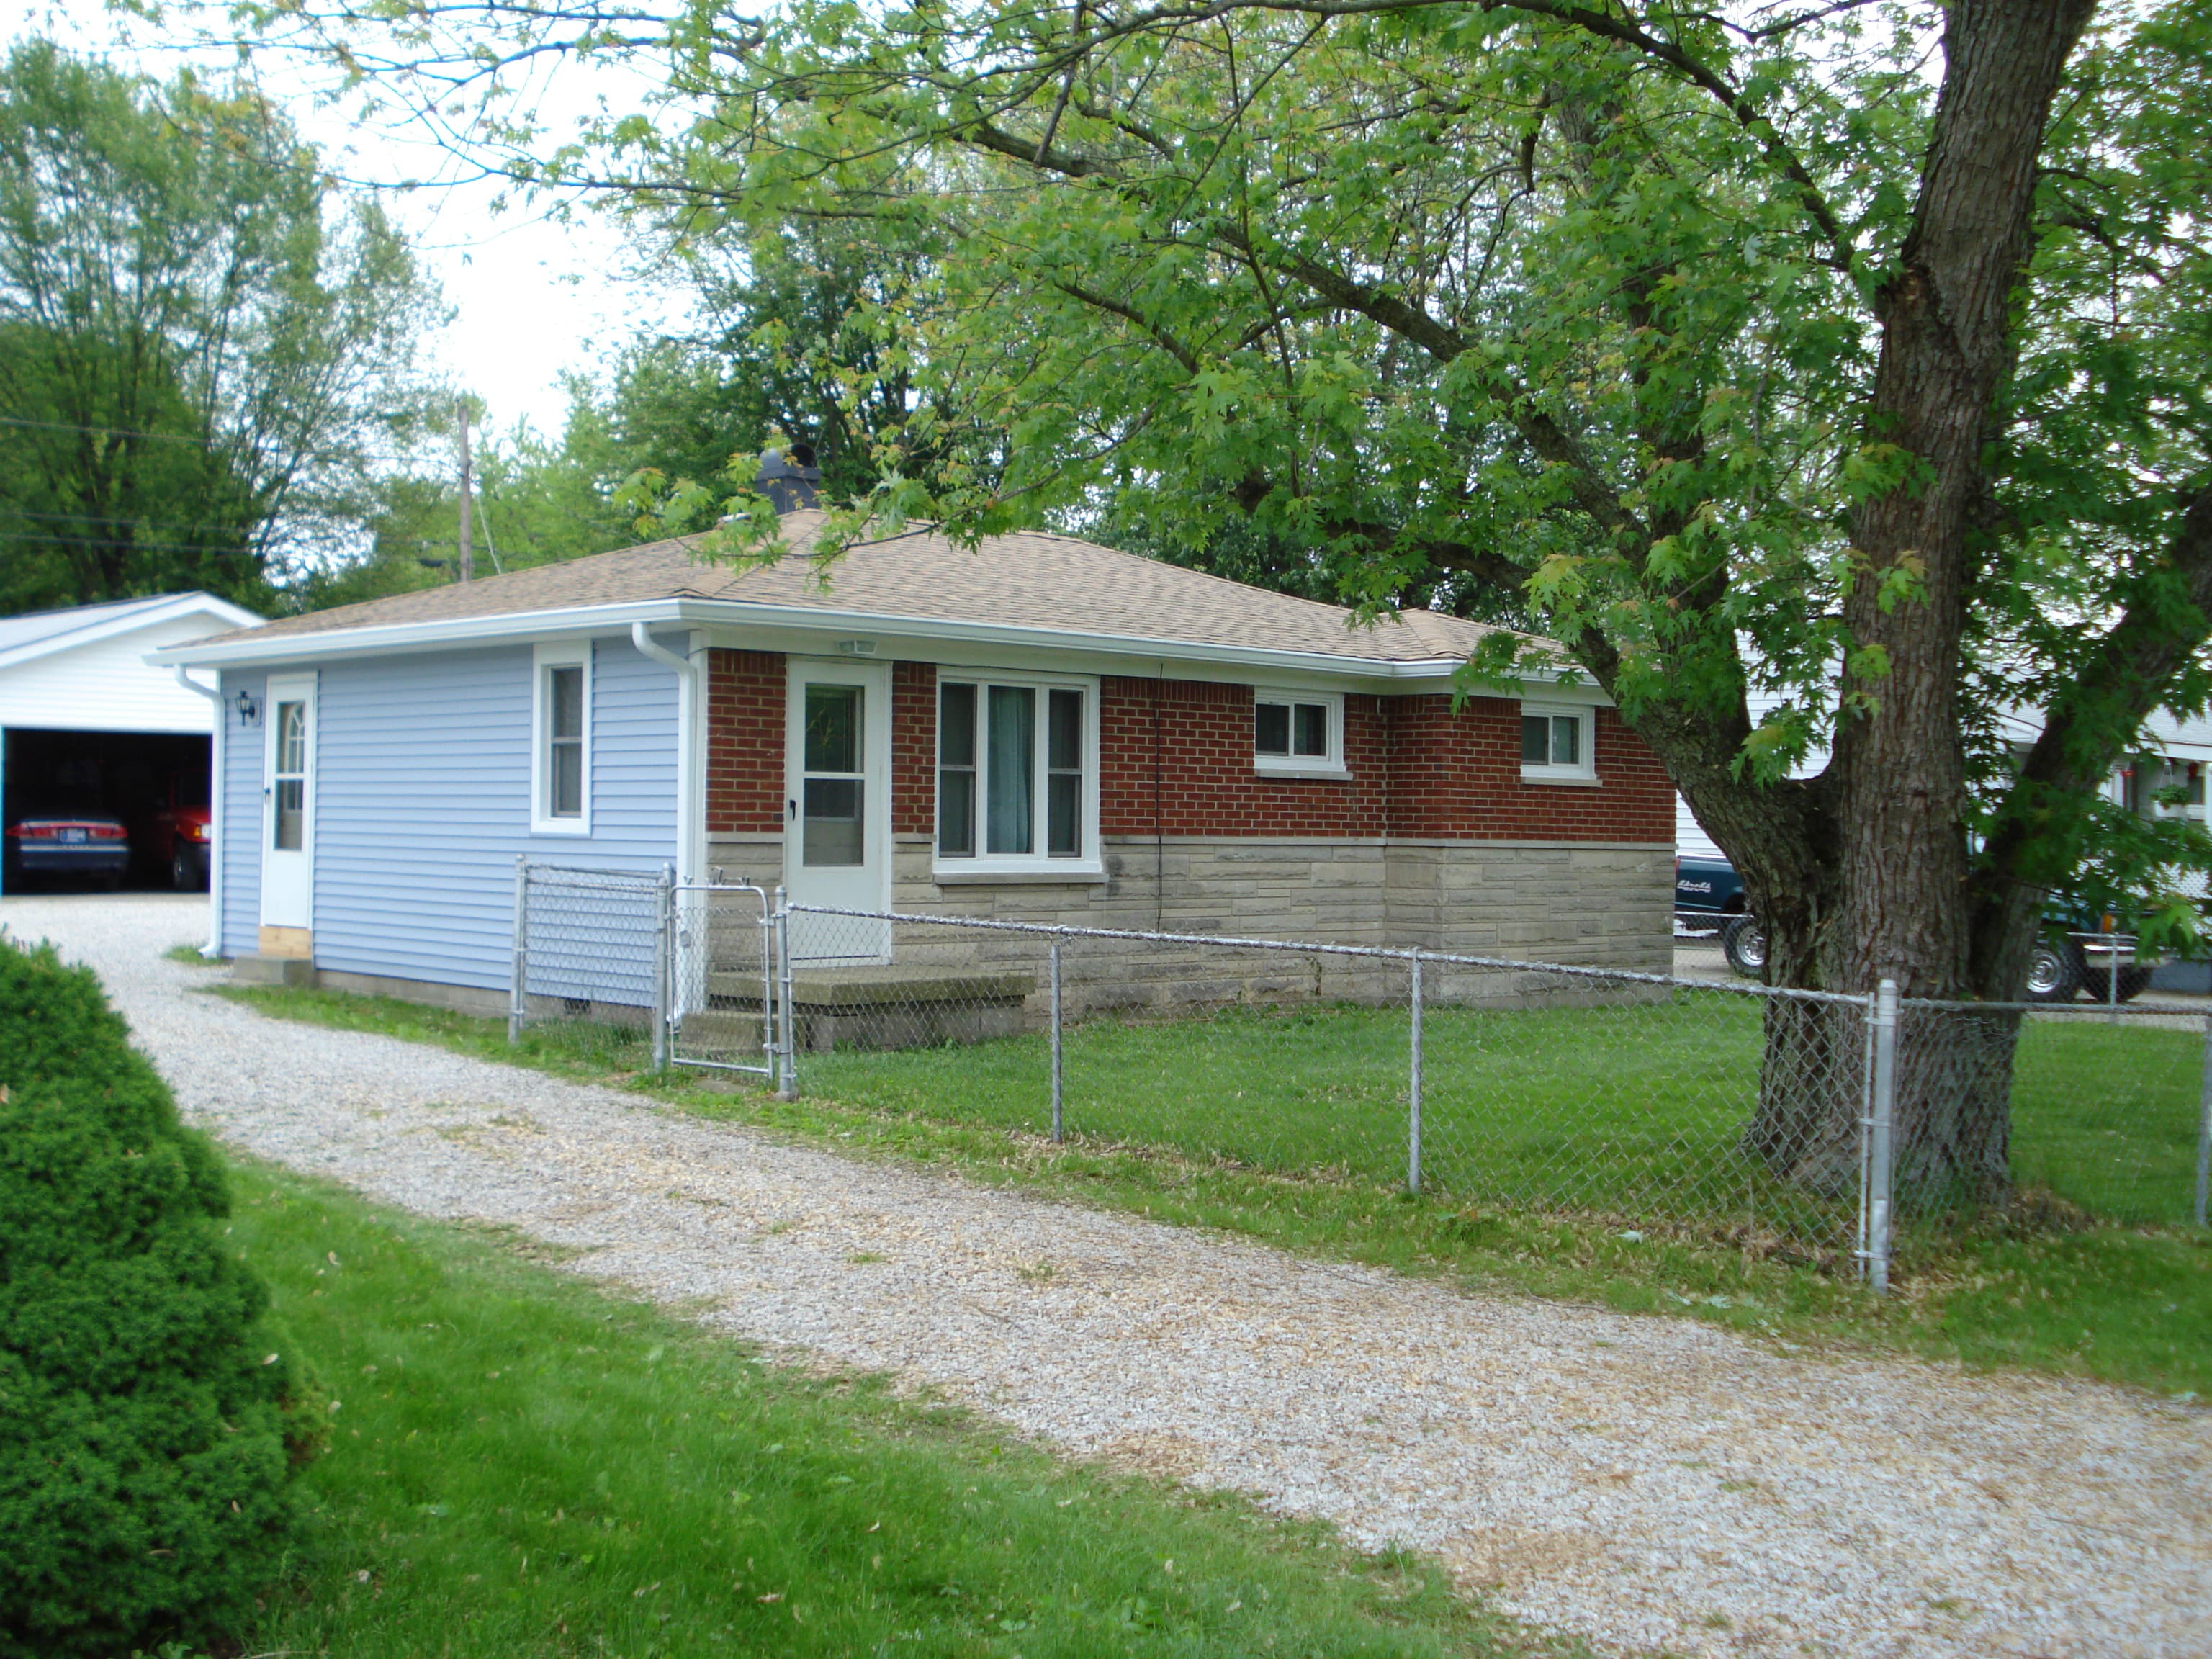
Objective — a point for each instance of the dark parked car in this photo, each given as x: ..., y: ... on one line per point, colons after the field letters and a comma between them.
x: 59, y: 840
x: 2080, y: 950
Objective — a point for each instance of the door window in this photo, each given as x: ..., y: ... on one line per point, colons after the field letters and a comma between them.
x: 833, y: 792
x: 289, y: 821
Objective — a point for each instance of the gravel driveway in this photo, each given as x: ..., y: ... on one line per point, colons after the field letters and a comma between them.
x: 1645, y: 1483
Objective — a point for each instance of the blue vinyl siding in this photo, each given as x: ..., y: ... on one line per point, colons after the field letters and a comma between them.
x: 238, y: 928
x: 423, y: 801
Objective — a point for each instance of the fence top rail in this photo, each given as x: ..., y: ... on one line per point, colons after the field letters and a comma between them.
x: 2057, y: 1010
x: 1377, y: 952
x: 591, y: 875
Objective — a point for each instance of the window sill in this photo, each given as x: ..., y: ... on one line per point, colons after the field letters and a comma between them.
x: 1318, y: 773
x: 561, y: 827
x: 1572, y: 780
x: 1074, y: 873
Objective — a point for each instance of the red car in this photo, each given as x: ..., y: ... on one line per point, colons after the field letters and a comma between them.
x: 181, y: 832
x: 60, y: 840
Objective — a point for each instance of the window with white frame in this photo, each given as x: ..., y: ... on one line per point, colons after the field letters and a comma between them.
x: 1556, y: 744
x: 1017, y: 774
x: 561, y: 758
x: 1298, y: 732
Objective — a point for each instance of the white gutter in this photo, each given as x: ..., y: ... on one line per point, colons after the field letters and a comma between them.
x: 690, y: 785
x: 213, y: 948
x: 724, y: 613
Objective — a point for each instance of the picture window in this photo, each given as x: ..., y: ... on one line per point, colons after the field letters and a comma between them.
x: 1016, y: 775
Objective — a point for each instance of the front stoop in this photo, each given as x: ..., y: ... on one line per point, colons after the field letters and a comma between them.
x: 885, y: 1007
x: 290, y: 972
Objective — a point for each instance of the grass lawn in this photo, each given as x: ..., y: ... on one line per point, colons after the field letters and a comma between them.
x: 1299, y: 1146
x: 523, y: 1465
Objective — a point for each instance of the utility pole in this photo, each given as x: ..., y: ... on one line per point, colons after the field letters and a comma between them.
x: 468, y: 554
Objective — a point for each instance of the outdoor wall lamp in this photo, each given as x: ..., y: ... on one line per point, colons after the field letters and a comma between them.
x: 249, y: 711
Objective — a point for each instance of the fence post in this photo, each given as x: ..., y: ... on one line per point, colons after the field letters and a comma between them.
x: 771, y: 1052
x: 1879, y: 1150
x: 787, y: 1081
x: 1058, y: 1135
x: 2204, y: 1127
x: 664, y: 955
x: 1413, y: 1091
x: 519, y: 972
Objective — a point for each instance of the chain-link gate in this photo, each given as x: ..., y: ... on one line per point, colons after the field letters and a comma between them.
x: 722, y: 1008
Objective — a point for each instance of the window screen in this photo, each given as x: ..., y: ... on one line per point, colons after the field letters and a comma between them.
x: 1284, y: 728
x: 955, y: 771
x: 1551, y: 740
x: 564, y: 742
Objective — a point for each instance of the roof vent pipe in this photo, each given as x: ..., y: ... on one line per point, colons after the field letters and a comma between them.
x: 790, y: 478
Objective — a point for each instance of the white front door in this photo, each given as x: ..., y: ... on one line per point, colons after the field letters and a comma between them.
x: 837, y: 810
x: 288, y: 809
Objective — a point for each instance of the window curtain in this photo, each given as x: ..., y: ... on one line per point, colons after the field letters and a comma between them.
x: 1012, y: 727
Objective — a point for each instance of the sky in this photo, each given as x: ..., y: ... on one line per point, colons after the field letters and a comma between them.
x: 532, y: 297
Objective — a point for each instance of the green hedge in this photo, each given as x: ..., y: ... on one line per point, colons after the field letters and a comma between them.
x: 144, y: 1452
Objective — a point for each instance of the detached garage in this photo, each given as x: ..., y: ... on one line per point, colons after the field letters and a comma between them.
x: 93, y: 739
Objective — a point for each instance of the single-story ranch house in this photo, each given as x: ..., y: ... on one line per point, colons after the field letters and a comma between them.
x: 1040, y: 729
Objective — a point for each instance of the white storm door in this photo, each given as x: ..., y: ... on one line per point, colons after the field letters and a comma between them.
x: 837, y: 807
x: 287, y: 803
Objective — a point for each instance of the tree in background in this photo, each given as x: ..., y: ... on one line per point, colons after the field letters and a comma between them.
x: 203, y: 347
x: 1850, y: 354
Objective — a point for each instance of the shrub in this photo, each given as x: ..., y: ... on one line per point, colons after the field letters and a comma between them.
x: 142, y: 1445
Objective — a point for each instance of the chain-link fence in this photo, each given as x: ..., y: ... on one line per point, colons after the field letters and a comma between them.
x: 590, y: 961
x: 1801, y: 1125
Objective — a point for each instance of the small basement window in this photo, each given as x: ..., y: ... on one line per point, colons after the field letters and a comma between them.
x: 1298, y: 732
x: 1557, y: 745
x: 561, y: 761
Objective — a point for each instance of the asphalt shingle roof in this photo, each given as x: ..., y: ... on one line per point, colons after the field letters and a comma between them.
x: 1030, y: 579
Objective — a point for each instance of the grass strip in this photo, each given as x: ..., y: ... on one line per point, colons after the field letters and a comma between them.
x: 523, y: 1464
x: 2120, y: 1304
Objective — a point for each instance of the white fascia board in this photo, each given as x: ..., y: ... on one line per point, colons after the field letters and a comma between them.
x: 452, y: 633
x: 826, y: 627
x: 225, y: 616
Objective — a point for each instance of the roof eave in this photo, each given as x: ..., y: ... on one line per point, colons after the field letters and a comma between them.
x: 129, y: 622
x: 456, y: 632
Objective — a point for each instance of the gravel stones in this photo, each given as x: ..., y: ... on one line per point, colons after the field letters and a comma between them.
x: 1644, y: 1483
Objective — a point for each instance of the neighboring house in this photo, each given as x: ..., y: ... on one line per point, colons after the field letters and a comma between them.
x: 1042, y: 729
x: 85, y: 720
x: 2170, y: 752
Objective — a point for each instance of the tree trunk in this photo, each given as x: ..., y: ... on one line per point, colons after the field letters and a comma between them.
x: 1898, y: 770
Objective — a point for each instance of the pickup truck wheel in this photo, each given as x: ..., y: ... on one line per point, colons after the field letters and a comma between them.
x: 1745, y: 943
x: 2054, y: 974
x: 180, y: 871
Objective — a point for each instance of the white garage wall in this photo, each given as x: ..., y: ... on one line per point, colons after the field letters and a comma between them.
x: 107, y: 686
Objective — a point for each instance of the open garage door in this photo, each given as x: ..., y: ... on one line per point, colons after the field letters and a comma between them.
x: 154, y: 784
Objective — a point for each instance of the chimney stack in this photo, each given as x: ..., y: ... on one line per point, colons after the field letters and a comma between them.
x: 789, y: 480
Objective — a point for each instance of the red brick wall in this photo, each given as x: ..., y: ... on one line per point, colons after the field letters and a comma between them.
x: 1416, y: 769
x: 914, y: 748
x: 1460, y: 775
x: 1207, y: 783
x: 744, y: 742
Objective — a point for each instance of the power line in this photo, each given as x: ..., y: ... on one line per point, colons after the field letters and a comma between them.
x: 6, y: 512
x: 131, y: 543
x: 109, y: 431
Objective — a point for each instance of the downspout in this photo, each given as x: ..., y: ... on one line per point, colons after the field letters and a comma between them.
x: 216, y: 779
x: 688, y: 785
